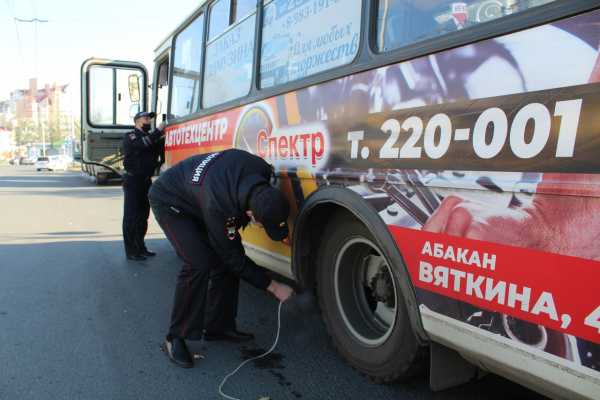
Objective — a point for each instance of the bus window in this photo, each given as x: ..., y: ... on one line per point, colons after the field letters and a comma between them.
x: 229, y: 59
x: 162, y: 89
x: 186, y: 70
x: 300, y: 39
x: 127, y: 104
x: 219, y: 18
x: 227, y: 12
x: 113, y: 108
x: 242, y: 8
x: 404, y: 22
x: 101, y: 95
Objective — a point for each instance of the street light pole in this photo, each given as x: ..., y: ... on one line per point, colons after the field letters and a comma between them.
x: 43, y: 141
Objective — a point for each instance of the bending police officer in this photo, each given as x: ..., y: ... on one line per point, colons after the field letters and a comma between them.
x: 200, y: 204
x: 142, y: 150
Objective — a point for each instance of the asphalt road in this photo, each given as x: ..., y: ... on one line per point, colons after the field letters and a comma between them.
x: 78, y: 321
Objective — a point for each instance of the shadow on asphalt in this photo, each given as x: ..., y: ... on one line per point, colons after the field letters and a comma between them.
x: 45, y: 180
x: 92, y: 192
x: 77, y: 320
x: 57, y: 184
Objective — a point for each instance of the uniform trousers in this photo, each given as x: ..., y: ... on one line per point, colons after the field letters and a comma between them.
x: 135, y: 212
x: 206, y: 292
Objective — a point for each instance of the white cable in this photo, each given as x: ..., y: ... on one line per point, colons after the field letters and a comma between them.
x: 253, y: 358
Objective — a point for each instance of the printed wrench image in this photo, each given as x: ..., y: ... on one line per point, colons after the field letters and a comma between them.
x: 402, y: 186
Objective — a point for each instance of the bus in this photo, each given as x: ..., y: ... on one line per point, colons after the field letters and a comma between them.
x: 439, y: 157
x: 114, y: 92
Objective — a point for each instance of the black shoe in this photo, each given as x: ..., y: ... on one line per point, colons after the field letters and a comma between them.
x: 135, y: 257
x: 177, y: 351
x: 232, y: 335
x: 148, y: 253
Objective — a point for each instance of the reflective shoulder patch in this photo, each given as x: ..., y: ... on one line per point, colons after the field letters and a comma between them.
x: 201, y: 168
x: 132, y: 136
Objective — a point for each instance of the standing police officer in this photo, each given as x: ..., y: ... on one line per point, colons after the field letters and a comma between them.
x: 200, y: 204
x: 142, y: 150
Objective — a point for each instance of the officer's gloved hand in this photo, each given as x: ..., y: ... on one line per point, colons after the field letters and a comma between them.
x: 161, y: 127
x: 280, y: 290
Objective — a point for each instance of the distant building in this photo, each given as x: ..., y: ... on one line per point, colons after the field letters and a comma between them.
x: 45, y: 104
x: 24, y: 104
x: 48, y: 108
x: 54, y: 107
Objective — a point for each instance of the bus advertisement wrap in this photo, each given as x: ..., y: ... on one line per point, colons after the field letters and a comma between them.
x: 482, y: 162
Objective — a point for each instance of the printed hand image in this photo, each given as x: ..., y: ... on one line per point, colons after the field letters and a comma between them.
x: 563, y: 217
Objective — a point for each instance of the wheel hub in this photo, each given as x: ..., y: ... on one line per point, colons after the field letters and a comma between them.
x: 383, y: 288
x: 366, y: 292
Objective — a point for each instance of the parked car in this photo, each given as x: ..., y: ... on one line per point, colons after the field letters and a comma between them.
x: 28, y: 160
x: 43, y: 163
x: 59, y: 162
x: 52, y: 163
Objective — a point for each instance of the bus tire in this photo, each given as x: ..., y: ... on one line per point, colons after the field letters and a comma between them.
x: 362, y: 306
x: 101, y: 180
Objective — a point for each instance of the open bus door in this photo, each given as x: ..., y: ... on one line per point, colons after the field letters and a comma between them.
x: 112, y: 92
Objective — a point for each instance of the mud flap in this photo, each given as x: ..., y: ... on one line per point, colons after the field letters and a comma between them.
x: 448, y: 368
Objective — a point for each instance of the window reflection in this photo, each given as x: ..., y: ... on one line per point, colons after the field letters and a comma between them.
x: 229, y: 60
x: 404, y: 22
x: 186, y: 70
x: 127, y: 106
x: 101, y: 95
x: 242, y: 8
x: 219, y: 18
x: 300, y: 39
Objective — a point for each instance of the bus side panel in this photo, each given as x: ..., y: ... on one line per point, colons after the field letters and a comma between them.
x: 482, y: 160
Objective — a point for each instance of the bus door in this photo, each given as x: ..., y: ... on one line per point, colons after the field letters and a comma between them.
x: 161, y: 85
x: 160, y: 97
x: 112, y: 92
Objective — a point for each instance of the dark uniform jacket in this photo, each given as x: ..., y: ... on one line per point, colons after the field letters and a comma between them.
x: 142, y: 151
x: 214, y: 189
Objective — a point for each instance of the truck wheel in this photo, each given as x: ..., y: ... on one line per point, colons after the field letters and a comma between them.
x: 363, y: 308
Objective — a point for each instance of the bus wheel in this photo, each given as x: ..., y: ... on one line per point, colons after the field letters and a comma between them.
x: 101, y: 179
x: 363, y: 308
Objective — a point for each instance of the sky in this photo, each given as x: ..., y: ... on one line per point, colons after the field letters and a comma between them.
x: 77, y: 30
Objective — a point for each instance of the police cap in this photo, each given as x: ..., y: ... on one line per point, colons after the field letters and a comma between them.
x: 144, y: 114
x: 270, y: 207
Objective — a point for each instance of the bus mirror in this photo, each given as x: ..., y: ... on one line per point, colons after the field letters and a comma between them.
x: 134, y: 109
x: 134, y: 88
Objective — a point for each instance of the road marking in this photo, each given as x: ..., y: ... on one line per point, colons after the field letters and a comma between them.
x: 30, y: 180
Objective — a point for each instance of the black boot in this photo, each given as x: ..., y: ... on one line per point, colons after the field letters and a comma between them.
x: 177, y: 351
x: 148, y: 253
